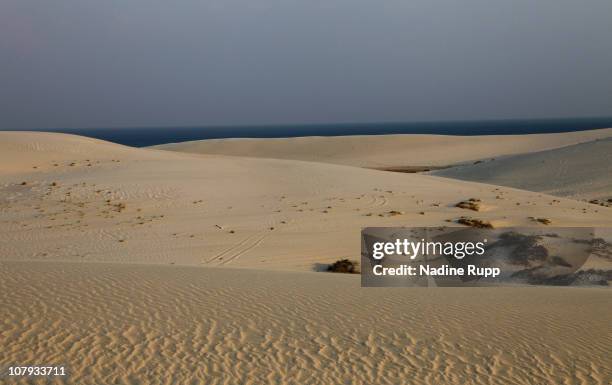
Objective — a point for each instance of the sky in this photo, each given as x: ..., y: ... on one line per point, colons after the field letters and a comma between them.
x: 124, y: 63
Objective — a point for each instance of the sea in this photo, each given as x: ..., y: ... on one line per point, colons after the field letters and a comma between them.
x: 149, y: 136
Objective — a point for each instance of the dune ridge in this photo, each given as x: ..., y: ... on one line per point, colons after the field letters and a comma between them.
x: 380, y: 151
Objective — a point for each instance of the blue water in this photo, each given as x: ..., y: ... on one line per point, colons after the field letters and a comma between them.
x: 142, y: 136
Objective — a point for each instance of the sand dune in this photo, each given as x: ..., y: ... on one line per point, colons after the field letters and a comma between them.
x: 379, y: 151
x: 127, y: 316
x: 181, y: 325
x: 149, y: 206
x: 581, y: 171
x: 29, y: 151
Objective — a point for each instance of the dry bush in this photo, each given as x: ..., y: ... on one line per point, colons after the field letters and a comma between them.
x: 473, y: 222
x: 544, y: 221
x: 344, y: 266
x: 471, y: 204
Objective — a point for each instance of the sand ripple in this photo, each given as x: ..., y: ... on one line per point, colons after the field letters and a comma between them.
x: 186, y: 325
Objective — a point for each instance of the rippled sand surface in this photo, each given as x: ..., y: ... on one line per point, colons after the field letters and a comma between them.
x: 142, y: 324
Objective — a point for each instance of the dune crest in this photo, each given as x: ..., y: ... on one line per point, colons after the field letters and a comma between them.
x: 380, y: 151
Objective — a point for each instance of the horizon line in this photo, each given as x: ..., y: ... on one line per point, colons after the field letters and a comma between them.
x: 321, y: 124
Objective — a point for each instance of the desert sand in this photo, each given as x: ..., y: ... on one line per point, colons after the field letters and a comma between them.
x: 110, y: 203
x: 148, y: 266
x: 135, y: 324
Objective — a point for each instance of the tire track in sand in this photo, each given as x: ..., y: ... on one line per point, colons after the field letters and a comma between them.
x: 252, y: 243
x: 236, y: 250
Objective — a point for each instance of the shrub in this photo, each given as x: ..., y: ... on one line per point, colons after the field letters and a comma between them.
x: 344, y: 266
x: 544, y: 221
x: 478, y: 223
x: 470, y: 204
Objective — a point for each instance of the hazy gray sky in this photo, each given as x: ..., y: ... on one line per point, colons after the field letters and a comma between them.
x: 100, y: 63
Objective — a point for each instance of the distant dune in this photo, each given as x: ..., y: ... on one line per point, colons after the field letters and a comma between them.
x: 380, y: 151
x: 581, y: 171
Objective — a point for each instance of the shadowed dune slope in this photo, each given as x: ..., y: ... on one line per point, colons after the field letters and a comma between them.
x: 378, y: 151
x: 581, y: 171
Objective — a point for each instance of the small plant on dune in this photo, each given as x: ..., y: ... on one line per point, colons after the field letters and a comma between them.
x: 601, y: 202
x: 119, y: 207
x: 344, y: 266
x: 473, y: 222
x: 471, y: 204
x: 544, y: 221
